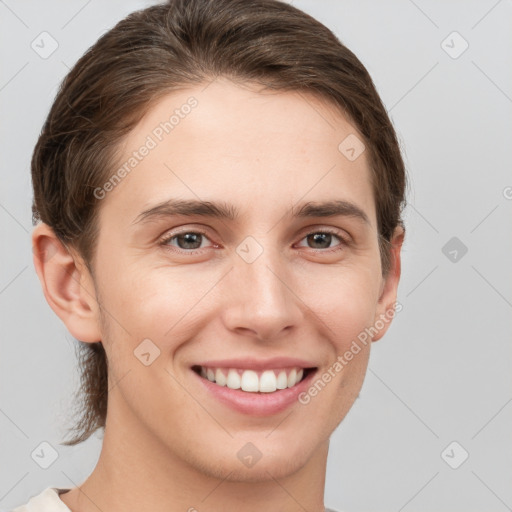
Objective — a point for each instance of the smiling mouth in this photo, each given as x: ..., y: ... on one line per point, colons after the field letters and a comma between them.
x: 251, y: 381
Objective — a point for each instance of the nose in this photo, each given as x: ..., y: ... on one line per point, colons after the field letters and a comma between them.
x: 261, y: 300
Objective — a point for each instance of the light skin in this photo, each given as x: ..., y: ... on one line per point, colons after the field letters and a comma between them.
x: 168, y: 445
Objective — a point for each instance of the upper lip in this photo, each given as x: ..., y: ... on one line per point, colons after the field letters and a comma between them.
x: 249, y: 363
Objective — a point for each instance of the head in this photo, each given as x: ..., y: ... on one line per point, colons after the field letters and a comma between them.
x: 254, y: 106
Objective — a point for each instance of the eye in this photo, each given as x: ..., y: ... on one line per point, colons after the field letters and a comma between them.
x: 322, y: 239
x: 187, y: 241
x: 191, y: 242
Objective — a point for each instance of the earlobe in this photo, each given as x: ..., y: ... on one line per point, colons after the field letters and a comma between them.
x: 67, y: 284
x: 389, y: 288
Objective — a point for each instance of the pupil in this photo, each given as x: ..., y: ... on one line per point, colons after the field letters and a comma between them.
x: 318, y: 237
x: 190, y: 238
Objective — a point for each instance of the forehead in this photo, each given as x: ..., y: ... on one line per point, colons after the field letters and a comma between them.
x: 247, y: 146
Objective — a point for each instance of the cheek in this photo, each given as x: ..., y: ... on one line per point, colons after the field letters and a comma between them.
x: 346, y: 302
x: 160, y: 304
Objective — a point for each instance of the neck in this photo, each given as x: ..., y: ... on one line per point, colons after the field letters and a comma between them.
x: 136, y: 473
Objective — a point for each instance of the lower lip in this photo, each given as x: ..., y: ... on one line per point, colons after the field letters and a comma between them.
x: 257, y: 404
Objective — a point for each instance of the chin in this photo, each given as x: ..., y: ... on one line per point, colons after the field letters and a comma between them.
x: 259, y: 461
x: 263, y: 470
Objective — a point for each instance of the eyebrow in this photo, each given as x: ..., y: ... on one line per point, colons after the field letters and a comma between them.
x: 221, y: 210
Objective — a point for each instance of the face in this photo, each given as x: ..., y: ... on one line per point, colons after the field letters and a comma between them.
x: 249, y: 283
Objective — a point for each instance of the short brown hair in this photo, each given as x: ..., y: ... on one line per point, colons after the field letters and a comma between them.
x: 168, y: 47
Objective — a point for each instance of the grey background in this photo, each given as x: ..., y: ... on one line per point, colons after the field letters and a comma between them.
x: 442, y: 372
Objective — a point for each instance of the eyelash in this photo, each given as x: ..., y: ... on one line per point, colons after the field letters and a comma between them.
x: 163, y: 241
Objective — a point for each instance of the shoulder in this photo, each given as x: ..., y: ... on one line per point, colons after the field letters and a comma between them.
x: 47, y: 501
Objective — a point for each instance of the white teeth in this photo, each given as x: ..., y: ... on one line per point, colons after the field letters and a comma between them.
x: 250, y: 381
x: 292, y: 377
x: 267, y: 381
x: 234, y: 380
x: 220, y: 378
x: 282, y: 380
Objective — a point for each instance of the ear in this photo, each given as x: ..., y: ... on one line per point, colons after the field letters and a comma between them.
x: 67, y: 284
x: 386, y: 304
